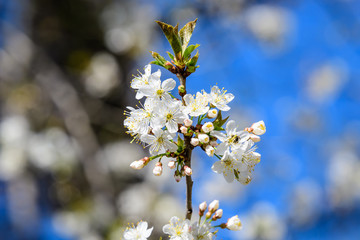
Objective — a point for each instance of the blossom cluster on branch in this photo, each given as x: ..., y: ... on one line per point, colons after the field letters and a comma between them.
x: 173, y: 127
x: 185, y: 229
x: 163, y: 121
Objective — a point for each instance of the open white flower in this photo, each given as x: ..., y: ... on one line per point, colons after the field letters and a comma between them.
x: 139, y: 121
x: 159, y: 91
x: 196, y: 106
x: 229, y: 166
x: 178, y: 230
x: 144, y: 80
x: 201, y: 231
x: 140, y: 232
x: 220, y: 99
x: 233, y: 138
x: 160, y: 141
x: 169, y: 115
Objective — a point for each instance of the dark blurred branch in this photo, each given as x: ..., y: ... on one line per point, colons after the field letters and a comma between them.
x: 76, y: 120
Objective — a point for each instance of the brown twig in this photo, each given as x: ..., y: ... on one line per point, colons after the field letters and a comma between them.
x: 187, y: 156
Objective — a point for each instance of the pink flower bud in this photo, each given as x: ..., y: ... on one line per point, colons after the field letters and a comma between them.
x: 213, y: 206
x: 214, y: 143
x: 187, y: 171
x: 188, y: 122
x: 183, y: 129
x: 212, y: 113
x: 255, y: 138
x: 157, y: 171
x: 171, y: 164
x: 194, y: 142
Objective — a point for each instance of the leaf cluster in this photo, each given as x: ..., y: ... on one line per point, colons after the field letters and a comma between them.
x: 181, y: 59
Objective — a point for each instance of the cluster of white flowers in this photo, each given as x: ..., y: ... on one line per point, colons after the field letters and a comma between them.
x: 162, y: 119
x: 185, y: 230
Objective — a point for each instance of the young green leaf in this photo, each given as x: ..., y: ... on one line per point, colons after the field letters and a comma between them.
x: 171, y: 33
x: 171, y: 56
x: 157, y: 63
x: 189, y: 50
x: 186, y: 32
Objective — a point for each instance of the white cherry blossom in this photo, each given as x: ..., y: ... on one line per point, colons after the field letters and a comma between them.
x: 196, y: 106
x: 220, y: 99
x: 178, y: 230
x: 232, y: 138
x: 227, y: 165
x: 169, y: 115
x: 202, y: 231
x: 157, y: 90
x: 144, y: 80
x: 140, y: 232
x: 160, y: 141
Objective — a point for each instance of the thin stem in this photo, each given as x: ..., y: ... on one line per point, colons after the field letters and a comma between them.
x: 189, y: 181
x: 187, y: 158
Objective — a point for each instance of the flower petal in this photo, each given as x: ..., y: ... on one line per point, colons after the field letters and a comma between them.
x: 168, y: 84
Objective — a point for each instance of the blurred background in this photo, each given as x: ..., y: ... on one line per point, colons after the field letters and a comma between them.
x: 65, y: 70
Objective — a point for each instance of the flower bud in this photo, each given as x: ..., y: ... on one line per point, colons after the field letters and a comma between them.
x: 187, y: 171
x: 177, y: 176
x: 213, y: 206
x: 183, y: 129
x: 171, y: 164
x: 203, y: 138
x: 210, y: 150
x: 202, y: 207
x: 207, y: 127
x: 181, y: 89
x: 218, y: 214
x: 234, y: 223
x: 194, y: 141
x: 259, y: 128
x: 255, y: 138
x: 188, y: 122
x: 212, y: 113
x: 157, y: 171
x: 139, y: 164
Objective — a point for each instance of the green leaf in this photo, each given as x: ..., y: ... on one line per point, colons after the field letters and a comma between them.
x: 180, y: 142
x: 185, y: 33
x: 158, y: 57
x: 191, y: 64
x: 222, y: 122
x: 157, y: 63
x: 171, y: 33
x: 219, y: 121
x: 189, y: 50
x: 171, y: 56
x: 194, y: 59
